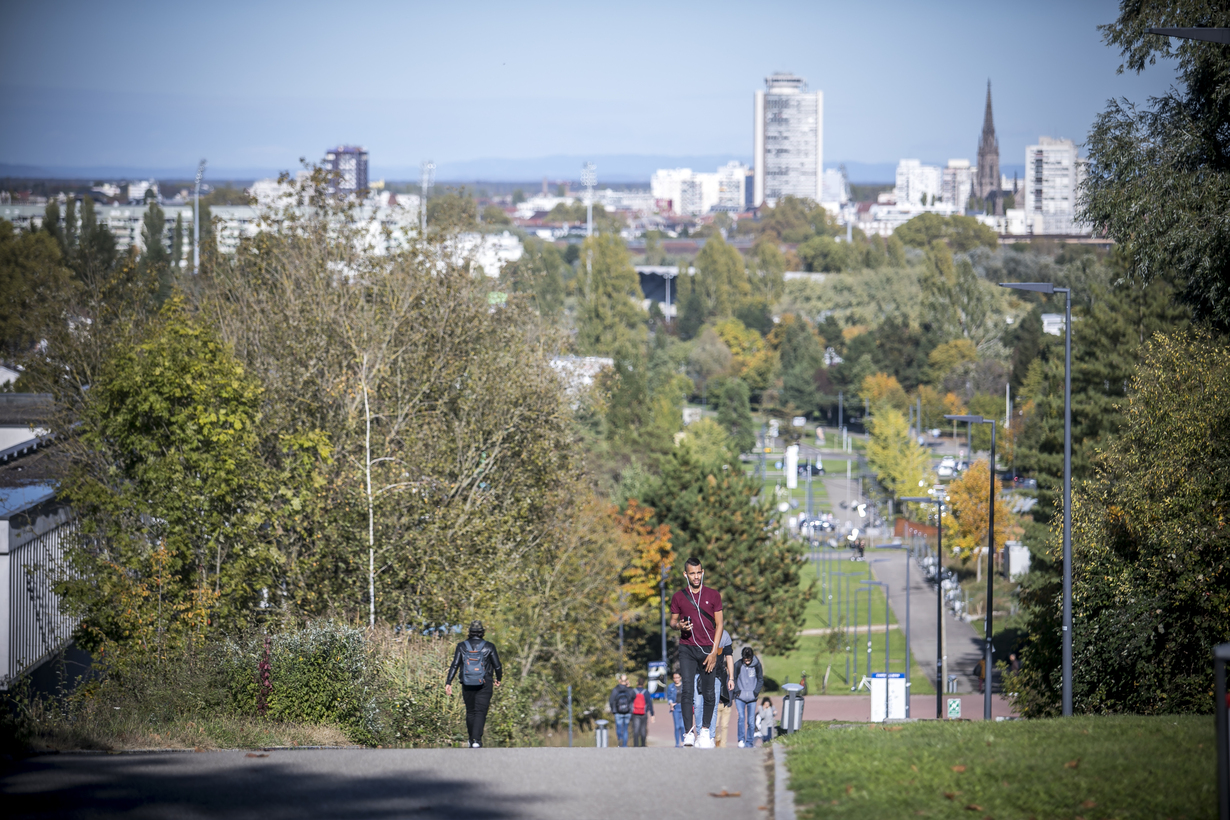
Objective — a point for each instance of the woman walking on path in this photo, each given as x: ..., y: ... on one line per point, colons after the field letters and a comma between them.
x: 479, y: 665
x: 673, y: 692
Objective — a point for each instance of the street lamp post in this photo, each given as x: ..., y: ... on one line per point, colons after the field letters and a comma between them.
x: 662, y: 608
x: 990, y: 619
x: 1048, y: 287
x: 908, y: 557
x: 938, y: 501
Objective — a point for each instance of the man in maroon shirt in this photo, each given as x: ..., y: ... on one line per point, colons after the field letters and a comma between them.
x: 696, y: 611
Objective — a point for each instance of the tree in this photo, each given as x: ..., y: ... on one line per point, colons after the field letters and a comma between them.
x: 1151, y: 552
x: 51, y: 224
x: 155, y: 259
x: 69, y: 247
x: 540, y: 273
x: 173, y: 484
x: 494, y: 215
x: 823, y: 253
x: 956, y: 302
x: 959, y: 233
x: 795, y: 220
x: 708, y: 442
x: 767, y: 267
x: 1159, y: 181
x: 754, y: 361
x: 34, y: 285
x: 720, y: 277
x: 609, y: 317
x: 452, y: 211
x: 715, y: 515
x: 947, y: 357
x: 901, y: 465
x: 710, y: 358
x: 650, y: 554
x: 177, y: 243
x: 883, y: 391
x: 735, y: 415
x: 970, y: 498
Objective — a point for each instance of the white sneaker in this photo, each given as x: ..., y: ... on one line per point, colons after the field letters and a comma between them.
x: 740, y: 744
x: 690, y: 738
x: 705, y: 741
x: 476, y: 745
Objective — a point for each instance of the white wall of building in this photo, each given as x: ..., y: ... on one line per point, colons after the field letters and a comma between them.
x: 788, y: 140
x: 1053, y: 173
x: 955, y: 185
x: 917, y: 184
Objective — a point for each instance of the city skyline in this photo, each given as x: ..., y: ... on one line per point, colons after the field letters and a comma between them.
x: 509, y: 93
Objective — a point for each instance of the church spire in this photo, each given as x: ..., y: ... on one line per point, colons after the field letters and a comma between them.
x: 987, y: 187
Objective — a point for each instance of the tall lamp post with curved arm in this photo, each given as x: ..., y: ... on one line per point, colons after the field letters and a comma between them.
x: 988, y: 660
x: 1049, y: 287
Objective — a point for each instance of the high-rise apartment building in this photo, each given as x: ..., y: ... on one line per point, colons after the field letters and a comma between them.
x: 1053, y: 174
x: 692, y: 194
x: 956, y: 184
x: 918, y: 185
x: 349, y: 162
x: 788, y: 143
x: 986, y: 187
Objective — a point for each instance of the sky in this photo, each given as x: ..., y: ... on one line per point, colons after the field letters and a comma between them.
x: 526, y: 89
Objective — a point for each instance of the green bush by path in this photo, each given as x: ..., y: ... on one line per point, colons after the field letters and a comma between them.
x: 1090, y: 767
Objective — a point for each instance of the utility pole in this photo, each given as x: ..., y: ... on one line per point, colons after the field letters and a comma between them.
x: 427, y: 179
x: 196, y: 220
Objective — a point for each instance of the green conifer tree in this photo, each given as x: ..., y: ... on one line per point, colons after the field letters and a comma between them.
x: 717, y: 515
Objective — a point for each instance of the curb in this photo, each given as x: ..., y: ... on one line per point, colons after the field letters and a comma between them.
x: 783, y: 798
x: 113, y: 752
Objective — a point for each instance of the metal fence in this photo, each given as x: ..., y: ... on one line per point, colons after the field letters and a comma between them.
x: 34, y: 628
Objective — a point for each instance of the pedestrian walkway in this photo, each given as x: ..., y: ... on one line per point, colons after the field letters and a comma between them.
x: 544, y: 784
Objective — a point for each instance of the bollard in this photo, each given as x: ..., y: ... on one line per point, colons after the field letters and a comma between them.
x: 952, y: 684
x: 792, y: 708
x: 602, y: 735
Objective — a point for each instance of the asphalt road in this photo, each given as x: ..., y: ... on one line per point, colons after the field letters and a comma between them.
x: 544, y: 783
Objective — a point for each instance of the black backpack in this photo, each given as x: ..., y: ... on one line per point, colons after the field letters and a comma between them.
x: 473, y: 664
x: 623, y: 702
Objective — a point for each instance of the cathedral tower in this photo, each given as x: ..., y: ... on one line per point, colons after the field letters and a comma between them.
x: 987, y: 186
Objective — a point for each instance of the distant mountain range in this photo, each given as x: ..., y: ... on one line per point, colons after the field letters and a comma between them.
x: 612, y: 168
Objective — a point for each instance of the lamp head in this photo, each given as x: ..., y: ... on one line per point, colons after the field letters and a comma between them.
x: 970, y: 419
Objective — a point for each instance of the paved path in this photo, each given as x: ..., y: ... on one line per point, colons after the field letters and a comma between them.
x: 386, y: 783
x: 964, y: 644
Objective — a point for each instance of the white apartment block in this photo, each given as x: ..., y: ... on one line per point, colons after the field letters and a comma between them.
x: 918, y: 185
x: 957, y: 182
x: 1053, y: 174
x: 788, y: 141
x: 692, y: 194
x: 835, y: 191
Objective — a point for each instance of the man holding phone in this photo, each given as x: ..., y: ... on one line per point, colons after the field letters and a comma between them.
x: 696, y: 610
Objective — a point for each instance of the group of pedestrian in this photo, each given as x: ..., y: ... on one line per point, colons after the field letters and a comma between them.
x: 707, y: 686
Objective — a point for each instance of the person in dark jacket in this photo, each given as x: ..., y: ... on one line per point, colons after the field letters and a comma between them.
x: 749, y: 680
x: 620, y: 704
x: 479, y: 665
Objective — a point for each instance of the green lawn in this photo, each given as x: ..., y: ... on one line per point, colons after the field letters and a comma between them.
x: 1082, y: 767
x: 815, y: 653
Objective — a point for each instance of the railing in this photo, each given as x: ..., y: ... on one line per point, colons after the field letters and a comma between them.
x: 32, y: 549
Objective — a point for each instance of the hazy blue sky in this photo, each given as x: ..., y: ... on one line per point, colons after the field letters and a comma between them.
x: 253, y: 86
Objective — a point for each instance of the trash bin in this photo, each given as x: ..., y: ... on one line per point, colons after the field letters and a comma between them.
x: 602, y: 735
x: 792, y: 708
x: 952, y: 684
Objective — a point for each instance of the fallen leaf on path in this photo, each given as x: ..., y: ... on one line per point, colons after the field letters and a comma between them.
x: 958, y: 769
x: 912, y: 766
x: 1072, y: 764
x: 1089, y: 804
x: 253, y: 754
x: 973, y: 807
x: 724, y: 793
x: 951, y: 795
x: 762, y: 808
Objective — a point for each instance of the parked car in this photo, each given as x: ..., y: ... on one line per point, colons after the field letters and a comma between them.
x: 947, y: 468
x: 1022, y: 483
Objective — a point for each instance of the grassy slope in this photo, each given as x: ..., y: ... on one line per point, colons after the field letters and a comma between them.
x: 1087, y: 767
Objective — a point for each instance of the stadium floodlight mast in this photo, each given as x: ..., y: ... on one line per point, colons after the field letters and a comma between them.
x: 196, y: 221
x: 426, y: 180
x: 938, y: 501
x: 589, y: 178
x: 1048, y: 287
x: 987, y: 658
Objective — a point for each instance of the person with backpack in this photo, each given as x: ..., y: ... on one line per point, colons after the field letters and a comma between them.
x: 620, y: 704
x: 642, y: 708
x: 479, y: 665
x: 725, y: 684
x: 749, y: 680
